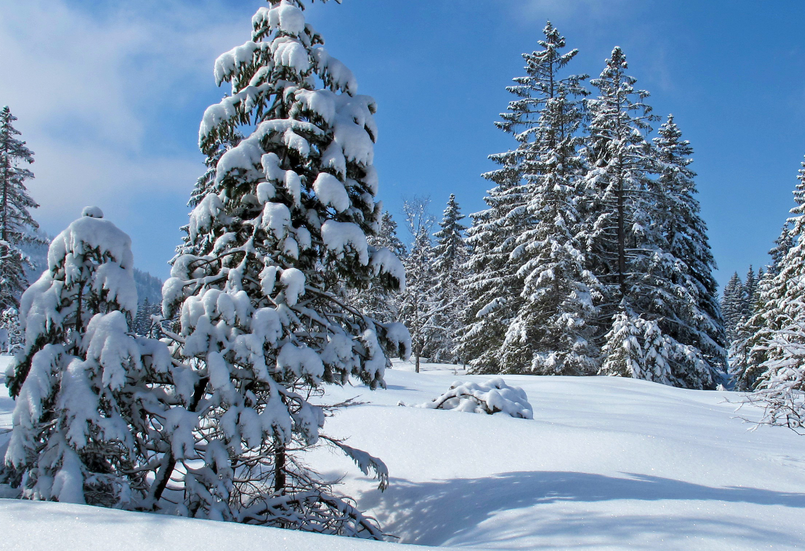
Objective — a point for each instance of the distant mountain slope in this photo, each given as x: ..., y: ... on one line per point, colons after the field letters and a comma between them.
x: 38, y: 254
x: 148, y: 286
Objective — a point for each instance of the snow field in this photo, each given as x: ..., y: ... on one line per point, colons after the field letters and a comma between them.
x: 606, y: 463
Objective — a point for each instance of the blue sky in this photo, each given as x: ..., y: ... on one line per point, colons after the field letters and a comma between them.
x: 110, y: 95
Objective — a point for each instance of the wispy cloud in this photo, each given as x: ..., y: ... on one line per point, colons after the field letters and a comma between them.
x: 110, y: 98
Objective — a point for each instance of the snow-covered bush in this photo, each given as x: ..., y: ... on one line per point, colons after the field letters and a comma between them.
x: 277, y: 236
x: 82, y: 429
x: 493, y: 396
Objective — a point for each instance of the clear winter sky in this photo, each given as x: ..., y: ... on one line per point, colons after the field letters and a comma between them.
x: 110, y: 95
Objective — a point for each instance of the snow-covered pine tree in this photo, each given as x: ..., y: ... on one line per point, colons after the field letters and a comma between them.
x: 749, y: 292
x: 450, y: 254
x: 738, y: 308
x: 17, y: 226
x: 82, y: 423
x: 257, y: 282
x: 748, y: 353
x: 780, y: 342
x: 732, y: 306
x: 419, y: 304
x: 551, y: 333
x: 620, y: 161
x: 673, y: 285
x: 495, y: 283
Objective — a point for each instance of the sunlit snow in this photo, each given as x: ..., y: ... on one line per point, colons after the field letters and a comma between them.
x: 605, y: 463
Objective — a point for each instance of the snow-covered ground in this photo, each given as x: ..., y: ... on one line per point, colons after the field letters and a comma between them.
x: 605, y: 463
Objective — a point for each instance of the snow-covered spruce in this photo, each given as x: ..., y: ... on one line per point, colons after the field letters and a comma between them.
x: 449, y: 255
x: 732, y: 306
x: 679, y: 273
x: 258, y: 291
x: 82, y: 429
x: 551, y: 333
x: 529, y: 296
x: 776, y: 361
x: 646, y: 242
x: 17, y: 226
x: 493, y: 396
x: 738, y: 308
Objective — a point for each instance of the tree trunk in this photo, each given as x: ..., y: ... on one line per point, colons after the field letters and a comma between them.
x: 279, y: 468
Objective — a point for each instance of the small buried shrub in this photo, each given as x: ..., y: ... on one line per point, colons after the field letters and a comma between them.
x: 493, y: 396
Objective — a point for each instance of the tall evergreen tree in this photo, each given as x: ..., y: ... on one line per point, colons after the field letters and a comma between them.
x: 647, y: 243
x: 450, y: 254
x: 780, y: 342
x: 17, y: 226
x: 677, y: 278
x: 732, y: 306
x: 551, y: 332
x: 763, y: 315
x: 620, y: 161
x: 738, y: 307
x: 775, y: 336
x: 543, y: 118
x: 263, y: 321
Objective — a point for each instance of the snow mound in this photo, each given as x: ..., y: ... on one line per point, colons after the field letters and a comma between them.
x: 493, y: 396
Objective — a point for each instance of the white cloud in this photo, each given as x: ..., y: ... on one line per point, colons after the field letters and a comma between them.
x: 109, y: 97
x: 74, y: 176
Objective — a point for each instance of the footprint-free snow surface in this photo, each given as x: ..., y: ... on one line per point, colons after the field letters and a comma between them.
x: 605, y: 463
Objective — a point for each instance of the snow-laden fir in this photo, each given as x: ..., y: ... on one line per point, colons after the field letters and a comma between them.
x: 592, y: 256
x: 259, y: 302
x: 17, y: 226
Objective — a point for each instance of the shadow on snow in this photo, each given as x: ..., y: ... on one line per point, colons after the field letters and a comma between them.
x: 450, y: 511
